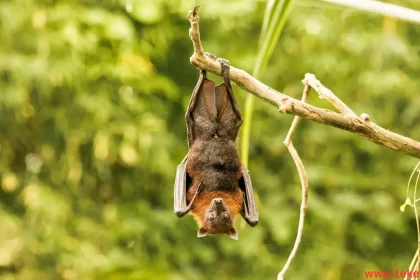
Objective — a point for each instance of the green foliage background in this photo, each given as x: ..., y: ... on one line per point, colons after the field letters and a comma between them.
x: 92, y: 103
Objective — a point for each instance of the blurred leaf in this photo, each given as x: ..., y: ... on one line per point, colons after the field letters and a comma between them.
x: 385, y: 9
x: 275, y: 17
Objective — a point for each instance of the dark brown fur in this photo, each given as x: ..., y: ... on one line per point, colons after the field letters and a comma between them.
x: 216, y: 165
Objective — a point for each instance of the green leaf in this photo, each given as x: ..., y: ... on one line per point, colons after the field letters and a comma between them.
x: 407, y: 202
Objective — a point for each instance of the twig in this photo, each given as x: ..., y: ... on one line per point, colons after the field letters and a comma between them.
x: 414, y: 261
x: 417, y: 215
x: 194, y: 31
x: 304, y: 182
x: 416, y: 268
x: 360, y: 125
x: 326, y: 94
x: 296, y: 120
x: 416, y: 257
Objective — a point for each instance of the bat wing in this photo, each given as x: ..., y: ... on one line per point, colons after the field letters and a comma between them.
x: 228, y: 115
x: 213, y: 111
x: 182, y: 183
x: 201, y: 113
x: 180, y: 189
x: 249, y: 210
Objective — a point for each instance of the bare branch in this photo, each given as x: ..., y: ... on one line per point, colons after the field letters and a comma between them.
x: 326, y: 94
x: 304, y: 182
x: 360, y: 125
x: 296, y: 120
x: 416, y: 214
x: 195, y: 30
x: 414, y: 262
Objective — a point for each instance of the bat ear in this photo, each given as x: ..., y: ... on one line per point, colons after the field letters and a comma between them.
x: 202, y: 232
x: 233, y: 234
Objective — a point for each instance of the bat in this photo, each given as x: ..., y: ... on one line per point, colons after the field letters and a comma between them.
x: 211, y: 181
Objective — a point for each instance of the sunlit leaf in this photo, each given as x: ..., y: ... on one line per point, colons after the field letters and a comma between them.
x: 406, y: 203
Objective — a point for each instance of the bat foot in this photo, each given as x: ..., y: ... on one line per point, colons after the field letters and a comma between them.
x: 223, y: 61
x: 212, y: 56
x: 225, y: 70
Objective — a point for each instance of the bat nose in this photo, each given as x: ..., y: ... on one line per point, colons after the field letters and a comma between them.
x: 218, y: 205
x: 218, y: 200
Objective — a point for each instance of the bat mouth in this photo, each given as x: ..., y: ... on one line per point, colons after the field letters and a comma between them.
x: 218, y: 205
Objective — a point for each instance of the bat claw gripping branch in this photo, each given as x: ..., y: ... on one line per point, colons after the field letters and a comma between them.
x: 212, y: 56
x: 225, y: 69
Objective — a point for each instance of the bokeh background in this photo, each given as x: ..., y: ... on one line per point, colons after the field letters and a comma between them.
x: 92, y: 102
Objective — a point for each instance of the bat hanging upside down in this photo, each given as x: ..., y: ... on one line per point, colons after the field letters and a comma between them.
x: 211, y: 181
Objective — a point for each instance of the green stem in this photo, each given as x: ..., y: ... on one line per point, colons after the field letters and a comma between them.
x: 275, y: 17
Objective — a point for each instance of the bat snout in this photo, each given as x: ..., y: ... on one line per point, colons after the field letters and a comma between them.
x: 218, y: 205
x: 218, y: 200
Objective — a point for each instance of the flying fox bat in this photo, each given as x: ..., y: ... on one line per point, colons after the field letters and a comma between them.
x: 211, y: 181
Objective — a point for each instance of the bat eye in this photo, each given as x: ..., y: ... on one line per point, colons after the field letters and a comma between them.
x: 226, y: 216
x: 211, y: 217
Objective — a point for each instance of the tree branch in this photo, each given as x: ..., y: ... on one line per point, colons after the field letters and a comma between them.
x: 326, y: 94
x: 304, y: 182
x: 346, y: 120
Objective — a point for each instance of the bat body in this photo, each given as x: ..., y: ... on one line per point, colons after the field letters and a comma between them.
x: 211, y: 181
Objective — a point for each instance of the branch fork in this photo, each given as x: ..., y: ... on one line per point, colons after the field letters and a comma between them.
x: 344, y: 119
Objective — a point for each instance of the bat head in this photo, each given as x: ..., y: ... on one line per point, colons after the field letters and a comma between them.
x: 217, y: 218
